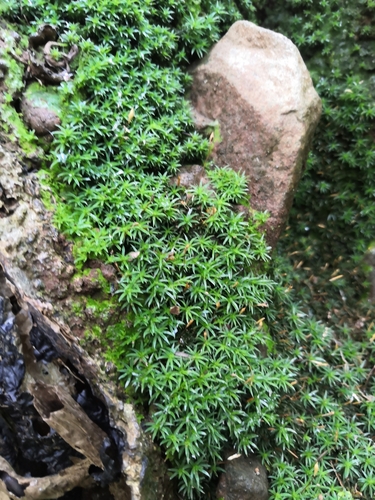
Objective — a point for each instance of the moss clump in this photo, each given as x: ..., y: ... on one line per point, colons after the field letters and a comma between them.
x: 209, y: 340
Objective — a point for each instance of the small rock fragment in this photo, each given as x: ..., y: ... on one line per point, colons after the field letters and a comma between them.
x: 40, y: 107
x: 245, y: 478
x: 190, y: 175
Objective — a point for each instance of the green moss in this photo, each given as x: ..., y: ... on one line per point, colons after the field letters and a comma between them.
x: 214, y: 129
x: 77, y: 308
x: 94, y: 333
x: 7, y: 5
x: 11, y: 122
x: 102, y: 309
x: 99, y: 278
x: 45, y: 97
x: 14, y: 78
x: 47, y: 199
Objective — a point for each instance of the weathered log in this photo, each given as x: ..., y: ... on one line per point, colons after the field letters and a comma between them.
x: 64, y: 423
x: 64, y: 398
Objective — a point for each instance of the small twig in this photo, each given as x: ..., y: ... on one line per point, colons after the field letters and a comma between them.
x: 321, y: 455
x: 369, y: 376
x: 293, y: 454
x: 338, y: 477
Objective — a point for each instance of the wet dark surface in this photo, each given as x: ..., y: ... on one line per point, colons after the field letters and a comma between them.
x: 43, y: 348
x: 28, y: 443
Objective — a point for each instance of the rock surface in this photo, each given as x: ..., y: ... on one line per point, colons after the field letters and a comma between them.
x: 244, y: 478
x: 40, y: 109
x: 254, y: 96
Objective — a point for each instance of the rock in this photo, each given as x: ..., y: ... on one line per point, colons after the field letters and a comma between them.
x: 245, y: 478
x: 40, y: 108
x: 253, y: 94
x: 4, y: 67
x: 190, y: 175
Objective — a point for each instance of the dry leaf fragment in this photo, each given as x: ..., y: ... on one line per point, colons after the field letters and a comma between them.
x: 316, y: 469
x: 319, y: 363
x: 260, y: 322
x: 190, y: 323
x: 131, y: 115
x: 337, y: 277
x: 175, y: 310
x: 233, y: 457
x: 133, y: 255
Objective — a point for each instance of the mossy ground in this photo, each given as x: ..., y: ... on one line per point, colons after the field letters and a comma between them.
x: 200, y: 300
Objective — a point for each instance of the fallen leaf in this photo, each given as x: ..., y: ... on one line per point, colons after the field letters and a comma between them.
x: 211, y: 210
x: 170, y: 256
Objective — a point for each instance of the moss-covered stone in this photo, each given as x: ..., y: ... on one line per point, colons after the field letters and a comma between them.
x: 42, y: 108
x: 11, y: 123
